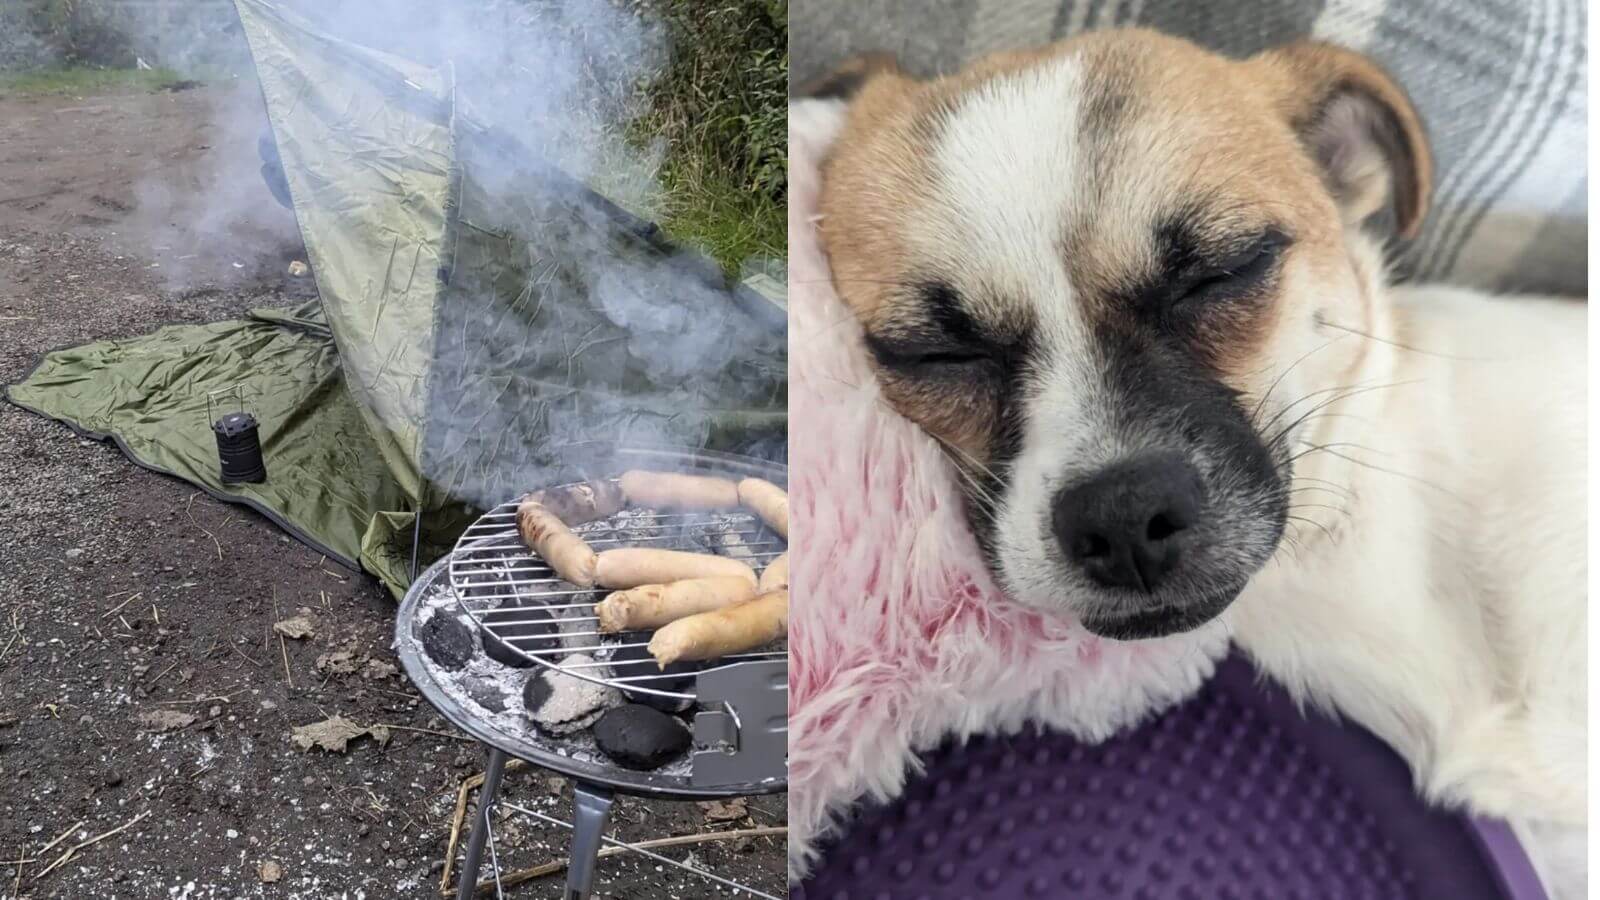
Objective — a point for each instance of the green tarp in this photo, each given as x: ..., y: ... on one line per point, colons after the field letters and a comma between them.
x: 484, y: 324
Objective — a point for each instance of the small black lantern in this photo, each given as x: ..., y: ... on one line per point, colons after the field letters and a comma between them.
x: 238, y: 442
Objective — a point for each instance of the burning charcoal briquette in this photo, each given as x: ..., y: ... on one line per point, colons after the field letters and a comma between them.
x: 640, y: 737
x: 447, y: 641
x: 561, y: 704
x: 531, y: 620
x: 633, y: 660
x: 487, y: 693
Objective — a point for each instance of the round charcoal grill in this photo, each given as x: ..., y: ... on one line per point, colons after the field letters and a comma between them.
x: 739, y: 703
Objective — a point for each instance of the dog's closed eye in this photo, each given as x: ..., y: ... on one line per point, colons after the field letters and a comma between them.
x: 1236, y: 274
x: 943, y: 340
x: 965, y: 356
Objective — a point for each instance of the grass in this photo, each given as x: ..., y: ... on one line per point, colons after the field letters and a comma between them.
x: 723, y: 218
x: 721, y: 109
x: 85, y: 80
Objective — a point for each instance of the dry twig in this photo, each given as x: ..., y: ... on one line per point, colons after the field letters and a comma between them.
x: 467, y: 787
x: 152, y: 682
x: 245, y: 655
x: 458, y: 737
x: 59, y: 838
x: 188, y: 510
x: 16, y: 635
x: 119, y: 606
x: 63, y: 858
x: 285, y: 651
x: 225, y: 698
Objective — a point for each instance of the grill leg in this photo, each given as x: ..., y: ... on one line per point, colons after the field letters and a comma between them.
x: 590, y: 807
x: 468, y: 885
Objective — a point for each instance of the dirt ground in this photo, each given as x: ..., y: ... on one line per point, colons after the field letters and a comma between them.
x: 127, y: 597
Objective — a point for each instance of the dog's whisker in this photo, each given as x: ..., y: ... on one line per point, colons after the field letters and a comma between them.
x: 1338, y: 509
x: 1376, y: 468
x: 1351, y: 444
x: 1313, y: 447
x: 1351, y: 392
x: 1303, y: 398
x: 1323, y: 528
x: 1313, y: 487
x: 968, y: 458
x: 1395, y: 344
x: 1325, y: 481
x: 1285, y: 373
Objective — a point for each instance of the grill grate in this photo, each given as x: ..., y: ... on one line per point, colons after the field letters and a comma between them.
x: 505, y: 588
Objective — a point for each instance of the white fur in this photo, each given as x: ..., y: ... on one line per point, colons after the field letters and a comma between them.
x: 1001, y: 190
x: 1445, y: 605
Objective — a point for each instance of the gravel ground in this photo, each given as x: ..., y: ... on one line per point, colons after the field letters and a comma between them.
x: 141, y: 685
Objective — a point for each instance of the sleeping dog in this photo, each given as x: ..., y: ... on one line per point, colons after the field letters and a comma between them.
x: 1129, y: 286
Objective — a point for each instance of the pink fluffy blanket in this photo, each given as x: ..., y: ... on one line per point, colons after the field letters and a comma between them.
x: 898, y: 637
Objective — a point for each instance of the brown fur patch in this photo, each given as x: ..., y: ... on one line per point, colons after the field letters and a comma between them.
x: 961, y: 415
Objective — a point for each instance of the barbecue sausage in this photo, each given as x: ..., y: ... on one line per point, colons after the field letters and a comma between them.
x: 586, y: 501
x: 768, y: 501
x: 732, y: 629
x: 668, y: 490
x: 654, y: 605
x: 630, y: 567
x: 775, y: 575
x: 544, y: 532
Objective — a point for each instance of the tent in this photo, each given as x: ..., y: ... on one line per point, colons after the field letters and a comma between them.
x: 485, y: 324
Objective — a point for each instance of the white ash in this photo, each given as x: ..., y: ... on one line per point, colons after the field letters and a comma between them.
x: 569, y: 703
x: 728, y: 541
x: 635, y: 526
x: 577, y: 624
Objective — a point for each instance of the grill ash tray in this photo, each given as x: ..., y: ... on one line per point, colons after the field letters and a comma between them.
x: 494, y: 617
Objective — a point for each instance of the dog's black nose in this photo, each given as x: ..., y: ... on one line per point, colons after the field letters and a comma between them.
x: 1129, y: 524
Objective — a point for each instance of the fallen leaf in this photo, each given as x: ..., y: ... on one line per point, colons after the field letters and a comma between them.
x: 335, y: 734
x: 730, y: 811
x: 377, y: 668
x: 339, y: 662
x: 269, y: 871
x: 298, y: 628
x: 167, y: 719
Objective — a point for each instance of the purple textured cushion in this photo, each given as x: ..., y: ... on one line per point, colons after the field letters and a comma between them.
x: 1233, y: 794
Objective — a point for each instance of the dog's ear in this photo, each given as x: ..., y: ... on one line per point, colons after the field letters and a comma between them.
x: 867, y: 90
x: 847, y: 79
x: 1360, y: 127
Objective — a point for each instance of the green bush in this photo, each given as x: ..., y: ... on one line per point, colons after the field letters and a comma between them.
x: 81, y: 32
x: 721, y: 109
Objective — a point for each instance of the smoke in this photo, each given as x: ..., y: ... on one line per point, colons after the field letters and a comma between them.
x: 210, y: 221
x: 564, y: 325
x: 564, y: 78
